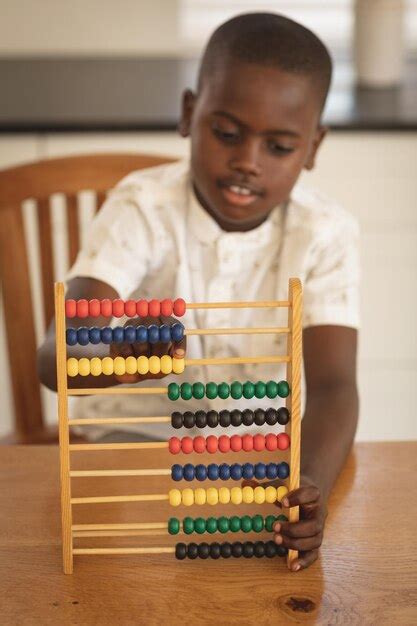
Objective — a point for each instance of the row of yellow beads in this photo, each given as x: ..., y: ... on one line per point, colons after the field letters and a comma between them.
x: 120, y: 366
x: 224, y: 495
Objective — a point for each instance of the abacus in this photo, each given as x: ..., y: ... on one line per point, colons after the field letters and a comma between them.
x: 287, y: 443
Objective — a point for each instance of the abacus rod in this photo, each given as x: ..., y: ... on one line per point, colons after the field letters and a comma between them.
x: 239, y: 305
x: 119, y: 420
x: 237, y: 360
x: 167, y: 550
x: 236, y: 331
x: 131, y: 472
x: 121, y: 533
x: 153, y: 497
x: 131, y: 526
x: 117, y: 390
x: 139, y: 445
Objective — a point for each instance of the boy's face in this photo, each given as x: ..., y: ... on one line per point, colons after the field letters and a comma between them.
x: 253, y: 129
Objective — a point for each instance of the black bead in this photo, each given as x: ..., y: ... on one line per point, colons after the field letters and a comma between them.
x: 226, y: 550
x: 259, y: 417
x: 248, y: 549
x: 176, y: 419
x: 192, y: 550
x: 259, y: 549
x: 212, y: 419
x: 283, y: 415
x: 236, y: 417
x: 203, y: 550
x: 237, y: 549
x: 270, y: 549
x: 189, y: 419
x: 215, y: 550
x: 224, y: 418
x: 271, y: 417
x: 180, y: 551
x: 281, y: 551
x: 200, y: 419
x: 247, y: 417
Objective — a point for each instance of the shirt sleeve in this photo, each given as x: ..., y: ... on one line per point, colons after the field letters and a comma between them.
x: 331, y: 289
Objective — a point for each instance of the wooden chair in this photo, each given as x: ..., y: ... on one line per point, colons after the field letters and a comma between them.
x: 39, y: 181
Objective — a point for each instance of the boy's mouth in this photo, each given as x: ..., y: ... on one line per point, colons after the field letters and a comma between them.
x: 239, y: 194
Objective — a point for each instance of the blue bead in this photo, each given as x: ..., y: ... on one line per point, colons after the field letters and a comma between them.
x: 94, y: 335
x: 82, y: 336
x: 153, y: 333
x: 271, y: 471
x: 213, y: 471
x: 260, y: 471
x: 106, y: 334
x: 71, y: 336
x: 118, y: 334
x: 201, y: 472
x: 248, y: 471
x: 189, y: 472
x: 177, y: 332
x: 283, y: 470
x: 176, y: 472
x: 130, y: 334
x: 236, y: 471
x: 164, y: 333
x: 141, y: 334
x: 224, y: 471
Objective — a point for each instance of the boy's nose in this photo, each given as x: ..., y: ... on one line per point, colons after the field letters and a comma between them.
x: 246, y: 159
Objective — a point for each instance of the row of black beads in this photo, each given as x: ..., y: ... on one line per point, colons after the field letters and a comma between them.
x: 237, y: 549
x: 247, y: 417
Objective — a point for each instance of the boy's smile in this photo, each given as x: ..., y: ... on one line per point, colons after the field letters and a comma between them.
x: 253, y: 129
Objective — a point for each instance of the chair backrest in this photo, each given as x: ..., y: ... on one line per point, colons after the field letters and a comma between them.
x: 39, y: 181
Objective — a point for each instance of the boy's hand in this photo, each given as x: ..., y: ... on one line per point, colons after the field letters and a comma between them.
x: 174, y: 349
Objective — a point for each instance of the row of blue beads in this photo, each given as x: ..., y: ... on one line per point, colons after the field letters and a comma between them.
x: 230, y: 472
x: 129, y: 334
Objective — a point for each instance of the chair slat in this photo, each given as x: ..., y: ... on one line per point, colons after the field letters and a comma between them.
x: 73, y: 228
x: 100, y: 198
x: 47, y: 263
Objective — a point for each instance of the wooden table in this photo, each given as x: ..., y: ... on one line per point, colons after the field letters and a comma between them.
x: 366, y: 574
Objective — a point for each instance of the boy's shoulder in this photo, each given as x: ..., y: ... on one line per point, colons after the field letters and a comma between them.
x: 158, y: 183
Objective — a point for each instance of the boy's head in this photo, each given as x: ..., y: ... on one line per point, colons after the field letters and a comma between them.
x: 254, y: 121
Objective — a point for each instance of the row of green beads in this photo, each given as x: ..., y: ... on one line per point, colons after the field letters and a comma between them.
x: 234, y: 524
x: 236, y: 390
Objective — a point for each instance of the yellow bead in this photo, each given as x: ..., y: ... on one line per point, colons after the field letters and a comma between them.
x: 174, y: 497
x: 247, y: 494
x: 178, y: 366
x: 131, y: 365
x: 236, y: 495
x: 107, y: 366
x: 119, y: 366
x: 270, y: 494
x: 224, y: 495
x: 72, y: 367
x: 200, y: 496
x: 143, y: 364
x: 259, y: 495
x: 166, y: 364
x: 188, y: 497
x: 95, y: 366
x: 281, y: 492
x: 154, y: 365
x: 84, y: 367
x: 212, y: 496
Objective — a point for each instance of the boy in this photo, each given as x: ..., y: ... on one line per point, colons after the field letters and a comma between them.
x: 232, y: 225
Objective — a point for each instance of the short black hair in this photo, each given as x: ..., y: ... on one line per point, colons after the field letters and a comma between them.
x: 269, y: 39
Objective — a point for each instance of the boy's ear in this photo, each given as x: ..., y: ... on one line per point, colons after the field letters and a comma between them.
x: 318, y: 138
x: 187, y: 107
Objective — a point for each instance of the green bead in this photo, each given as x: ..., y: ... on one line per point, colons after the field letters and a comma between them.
x: 223, y: 524
x: 198, y: 391
x: 282, y: 518
x: 186, y: 391
x: 199, y: 525
x: 283, y: 389
x: 188, y: 525
x: 236, y: 390
x: 269, y: 522
x: 234, y: 524
x: 223, y: 390
x: 248, y: 390
x: 246, y: 524
x: 211, y: 525
x: 271, y: 389
x: 173, y: 391
x: 257, y: 523
x: 260, y: 389
x: 173, y: 526
x: 211, y: 391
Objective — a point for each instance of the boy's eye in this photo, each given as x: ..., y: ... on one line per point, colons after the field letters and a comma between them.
x: 225, y: 134
x: 277, y: 148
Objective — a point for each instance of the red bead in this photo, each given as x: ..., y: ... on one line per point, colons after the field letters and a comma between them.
x: 166, y: 307
x: 154, y: 308
x: 259, y: 443
x: 211, y: 444
x: 70, y: 308
x: 247, y: 443
x: 106, y: 307
x: 199, y: 444
x: 271, y: 442
x: 130, y: 308
x: 236, y: 443
x: 118, y: 308
x: 187, y: 445
x: 94, y: 308
x: 174, y: 445
x: 283, y: 441
x: 82, y: 308
x: 224, y: 443
x: 179, y: 307
x: 142, y: 308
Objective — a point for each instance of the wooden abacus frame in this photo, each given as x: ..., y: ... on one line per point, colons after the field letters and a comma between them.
x: 293, y: 359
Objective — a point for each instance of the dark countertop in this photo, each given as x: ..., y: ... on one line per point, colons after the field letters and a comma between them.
x: 143, y: 94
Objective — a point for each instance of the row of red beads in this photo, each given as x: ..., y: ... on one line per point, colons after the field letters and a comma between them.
x: 130, y: 308
x: 224, y: 443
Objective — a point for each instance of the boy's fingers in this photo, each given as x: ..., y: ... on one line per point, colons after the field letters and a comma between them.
x: 177, y: 349
x: 304, y: 561
x: 302, y: 544
x: 303, y: 495
x: 303, y: 528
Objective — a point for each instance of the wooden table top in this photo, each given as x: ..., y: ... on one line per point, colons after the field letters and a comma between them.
x: 367, y: 573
